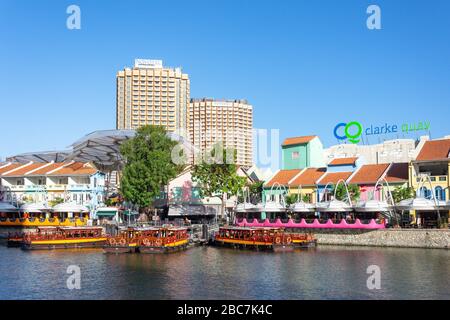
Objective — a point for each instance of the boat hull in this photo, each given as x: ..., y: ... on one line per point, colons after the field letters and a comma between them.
x: 61, y: 244
x: 119, y: 249
x: 162, y: 249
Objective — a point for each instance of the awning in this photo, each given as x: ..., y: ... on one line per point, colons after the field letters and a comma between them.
x: 106, y: 213
x: 130, y: 213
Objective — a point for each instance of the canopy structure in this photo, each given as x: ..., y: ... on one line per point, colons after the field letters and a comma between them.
x: 372, y: 206
x: 7, y: 207
x: 302, y: 207
x: 334, y: 206
x: 106, y: 212
x: 100, y: 147
x: 34, y: 207
x: 44, y: 156
x: 70, y: 207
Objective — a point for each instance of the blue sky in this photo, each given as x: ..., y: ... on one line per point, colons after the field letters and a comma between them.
x: 304, y: 65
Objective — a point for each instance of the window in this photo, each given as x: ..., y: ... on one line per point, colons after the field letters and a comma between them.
x: 440, y: 193
x: 295, y: 155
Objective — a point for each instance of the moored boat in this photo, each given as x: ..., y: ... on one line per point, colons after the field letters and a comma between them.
x: 64, y: 238
x: 125, y: 242
x: 148, y: 240
x: 164, y: 240
x: 262, y: 238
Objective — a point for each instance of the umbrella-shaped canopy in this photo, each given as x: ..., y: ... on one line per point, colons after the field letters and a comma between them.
x: 334, y: 206
x: 273, y: 206
x: 248, y: 207
x: 302, y: 207
x: 372, y: 206
x: 7, y: 207
x: 34, y: 207
x: 70, y: 207
x: 419, y: 204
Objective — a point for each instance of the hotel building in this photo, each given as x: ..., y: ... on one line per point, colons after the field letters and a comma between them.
x: 151, y: 94
x: 228, y: 121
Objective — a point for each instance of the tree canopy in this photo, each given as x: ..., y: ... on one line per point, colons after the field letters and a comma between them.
x: 218, y: 175
x: 341, y: 192
x: 148, y: 165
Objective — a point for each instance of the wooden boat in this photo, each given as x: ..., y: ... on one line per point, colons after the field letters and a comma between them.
x: 148, y: 240
x: 262, y: 238
x: 64, y: 238
x: 125, y: 242
x: 163, y: 240
x: 15, y: 240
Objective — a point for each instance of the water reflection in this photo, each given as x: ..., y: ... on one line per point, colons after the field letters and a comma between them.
x: 217, y: 273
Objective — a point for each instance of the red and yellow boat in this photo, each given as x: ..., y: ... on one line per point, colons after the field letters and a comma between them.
x: 148, y: 240
x: 275, y: 239
x: 64, y: 238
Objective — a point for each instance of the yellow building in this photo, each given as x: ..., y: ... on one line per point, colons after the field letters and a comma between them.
x: 432, y: 160
x: 228, y: 121
x: 152, y: 94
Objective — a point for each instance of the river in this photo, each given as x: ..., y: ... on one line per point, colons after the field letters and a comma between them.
x: 216, y: 273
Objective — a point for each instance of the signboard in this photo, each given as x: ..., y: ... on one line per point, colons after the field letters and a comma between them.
x: 147, y: 63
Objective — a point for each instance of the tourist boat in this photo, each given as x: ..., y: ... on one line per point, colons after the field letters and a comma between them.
x: 163, y: 240
x: 275, y: 239
x: 148, y: 240
x: 64, y: 238
x: 127, y: 241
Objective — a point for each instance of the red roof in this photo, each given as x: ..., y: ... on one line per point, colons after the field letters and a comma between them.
x: 398, y: 172
x: 435, y: 150
x: 343, y: 161
x: 24, y: 169
x: 309, y: 177
x: 283, y: 177
x: 76, y: 168
x: 369, y: 173
x: 334, y: 177
x: 10, y: 167
x: 297, y: 140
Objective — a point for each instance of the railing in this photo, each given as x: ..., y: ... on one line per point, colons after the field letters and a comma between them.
x: 48, y: 222
x: 316, y: 224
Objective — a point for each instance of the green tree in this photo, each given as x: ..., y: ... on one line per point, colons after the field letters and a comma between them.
x: 217, y: 176
x: 55, y: 201
x: 293, y: 198
x: 341, y: 192
x: 148, y: 165
x: 256, y: 189
x: 402, y: 193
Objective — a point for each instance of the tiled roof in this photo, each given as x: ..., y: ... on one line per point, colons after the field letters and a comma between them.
x: 11, y: 166
x: 398, y: 172
x: 76, y: 168
x: 283, y: 177
x: 297, y: 140
x: 334, y: 177
x: 46, y: 168
x: 369, y: 173
x: 308, y: 177
x: 435, y: 150
x: 343, y: 161
x: 22, y: 170
x: 42, y: 169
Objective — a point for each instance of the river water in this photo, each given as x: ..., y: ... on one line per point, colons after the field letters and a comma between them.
x: 217, y: 273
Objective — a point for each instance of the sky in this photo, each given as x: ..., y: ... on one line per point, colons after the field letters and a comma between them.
x: 305, y: 66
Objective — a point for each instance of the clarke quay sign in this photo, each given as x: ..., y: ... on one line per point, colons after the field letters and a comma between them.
x: 353, y: 130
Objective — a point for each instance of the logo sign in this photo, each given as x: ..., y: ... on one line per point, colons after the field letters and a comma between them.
x: 351, y: 131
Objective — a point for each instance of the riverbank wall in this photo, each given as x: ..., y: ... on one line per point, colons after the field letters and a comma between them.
x: 402, y: 238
